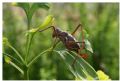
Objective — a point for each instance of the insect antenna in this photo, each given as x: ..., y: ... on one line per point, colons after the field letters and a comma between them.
x: 47, y: 28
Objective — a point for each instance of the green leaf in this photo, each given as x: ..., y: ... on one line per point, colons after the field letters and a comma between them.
x: 82, y: 69
x: 47, y: 21
x: 35, y: 7
x: 43, y: 5
x: 87, y: 43
x: 30, y: 9
x: 25, y: 6
x: 88, y: 46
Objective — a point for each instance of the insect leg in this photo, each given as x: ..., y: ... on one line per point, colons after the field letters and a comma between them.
x: 55, y: 43
x: 73, y: 63
x: 82, y: 55
x: 76, y: 57
x: 80, y: 25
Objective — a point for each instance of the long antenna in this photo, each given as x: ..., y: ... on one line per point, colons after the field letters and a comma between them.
x: 47, y: 28
x: 80, y: 25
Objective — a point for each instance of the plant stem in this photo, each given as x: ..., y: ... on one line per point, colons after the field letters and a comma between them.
x: 28, y: 47
x: 28, y: 23
x: 26, y: 73
x: 28, y: 39
x: 28, y: 43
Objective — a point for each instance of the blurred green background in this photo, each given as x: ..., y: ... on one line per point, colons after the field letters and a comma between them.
x: 100, y: 20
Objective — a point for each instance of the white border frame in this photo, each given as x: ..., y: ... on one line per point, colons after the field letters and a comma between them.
x: 51, y: 1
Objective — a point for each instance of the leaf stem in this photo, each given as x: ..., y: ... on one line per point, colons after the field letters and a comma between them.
x: 18, y: 54
x: 49, y: 49
x: 31, y: 62
x: 17, y: 67
x: 12, y: 57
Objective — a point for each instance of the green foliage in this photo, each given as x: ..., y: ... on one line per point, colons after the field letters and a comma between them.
x: 88, y: 46
x: 30, y: 9
x: 9, y: 61
x: 5, y: 41
x: 42, y: 63
x: 81, y: 69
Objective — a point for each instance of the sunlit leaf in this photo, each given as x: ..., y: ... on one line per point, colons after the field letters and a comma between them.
x: 88, y: 46
x: 47, y: 21
x: 87, y: 43
x: 82, y: 70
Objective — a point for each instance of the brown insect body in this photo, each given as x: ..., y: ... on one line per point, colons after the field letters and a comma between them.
x: 67, y: 39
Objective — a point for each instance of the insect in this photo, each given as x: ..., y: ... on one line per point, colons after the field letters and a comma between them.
x: 69, y: 40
